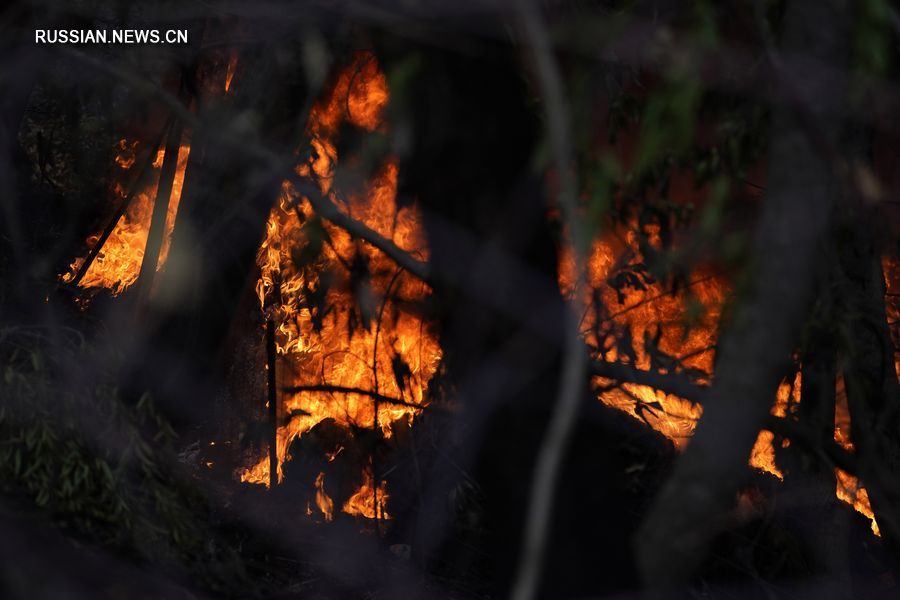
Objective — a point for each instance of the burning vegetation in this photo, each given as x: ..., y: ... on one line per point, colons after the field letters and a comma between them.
x: 350, y: 353
x: 114, y: 257
x: 346, y: 277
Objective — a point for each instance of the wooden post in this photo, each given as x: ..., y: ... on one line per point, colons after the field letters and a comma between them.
x: 273, y: 404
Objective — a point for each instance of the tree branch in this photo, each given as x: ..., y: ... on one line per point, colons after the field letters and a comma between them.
x: 670, y: 383
x: 340, y: 389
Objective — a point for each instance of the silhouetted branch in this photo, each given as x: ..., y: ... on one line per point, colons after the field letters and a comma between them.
x: 670, y: 383
x: 340, y: 389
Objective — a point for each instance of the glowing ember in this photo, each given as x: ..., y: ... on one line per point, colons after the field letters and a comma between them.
x: 229, y: 73
x: 339, y: 323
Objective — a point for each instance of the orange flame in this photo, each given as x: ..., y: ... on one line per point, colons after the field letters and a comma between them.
x: 323, y: 500
x: 230, y: 70
x: 363, y: 502
x: 850, y: 491
x: 642, y: 310
x: 652, y: 319
x: 118, y: 263
x: 364, y: 340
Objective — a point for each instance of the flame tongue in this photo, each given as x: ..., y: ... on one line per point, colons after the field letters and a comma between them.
x: 367, y: 501
x: 323, y: 500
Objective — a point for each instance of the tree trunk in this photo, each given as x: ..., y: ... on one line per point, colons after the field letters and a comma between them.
x: 754, y: 352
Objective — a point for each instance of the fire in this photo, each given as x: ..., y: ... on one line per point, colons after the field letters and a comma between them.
x: 762, y: 456
x: 364, y: 502
x: 118, y: 263
x: 338, y: 305
x: 655, y: 324
x: 850, y: 491
x: 848, y: 488
x: 323, y: 500
x: 340, y: 323
x: 230, y: 70
x: 652, y: 323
